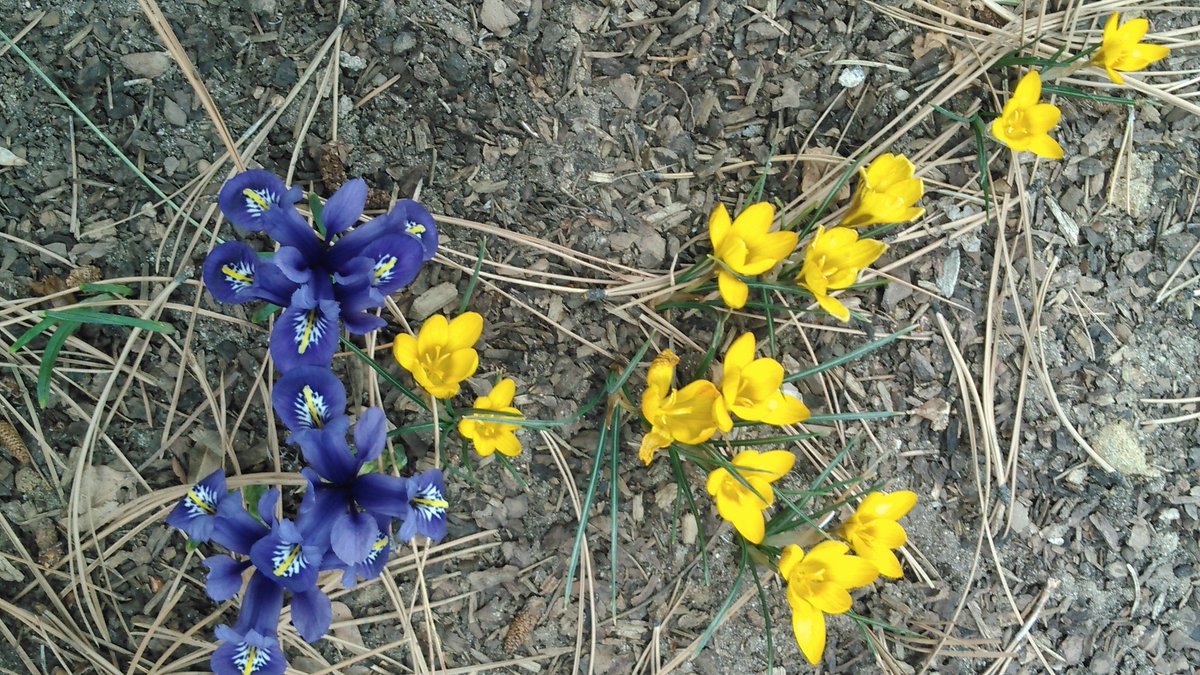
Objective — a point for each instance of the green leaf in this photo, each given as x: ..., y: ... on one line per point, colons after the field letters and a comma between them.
x: 263, y: 313
x: 462, y: 307
x: 80, y: 315
x: 28, y: 336
x: 850, y: 356
x: 385, y: 374
x: 314, y: 205
x: 46, y: 367
x: 116, y: 289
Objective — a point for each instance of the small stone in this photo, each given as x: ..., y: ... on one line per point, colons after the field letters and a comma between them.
x: 173, y: 113
x: 433, y: 299
x: 456, y: 69
x: 147, y: 64
x: 852, y: 77
x: 352, y: 62
x: 285, y: 74
x: 497, y: 17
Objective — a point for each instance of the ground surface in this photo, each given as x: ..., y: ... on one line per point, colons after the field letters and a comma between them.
x: 611, y: 129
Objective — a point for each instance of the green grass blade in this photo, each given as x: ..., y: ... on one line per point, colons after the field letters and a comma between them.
x: 766, y: 610
x: 850, y: 356
x: 585, y: 508
x: 115, y: 289
x: 685, y: 488
x: 92, y: 316
x: 724, y: 609
x: 29, y: 335
x: 410, y: 394
x: 46, y: 369
x: 263, y: 313
x: 614, y: 495
x: 466, y: 301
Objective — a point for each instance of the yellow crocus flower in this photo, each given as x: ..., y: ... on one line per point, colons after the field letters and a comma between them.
x: 819, y: 583
x: 753, y: 388
x: 491, y: 436
x: 690, y: 415
x: 740, y: 505
x: 442, y: 355
x: 887, y: 193
x: 1025, y: 124
x: 833, y: 261
x: 1122, y: 49
x: 873, y: 531
x: 746, y: 247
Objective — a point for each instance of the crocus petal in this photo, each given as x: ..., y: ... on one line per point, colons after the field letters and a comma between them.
x: 734, y: 291
x: 748, y: 521
x: 755, y: 219
x: 808, y: 624
x: 771, y: 465
x: 312, y: 612
x: 344, y: 208
x: 1042, y: 117
x: 892, y: 506
x: 307, y: 397
x: 834, y: 306
x: 247, y: 196
x: 852, y: 572
x: 719, y: 223
x: 791, y: 557
x: 224, y: 578
x: 1045, y: 146
x: 405, y: 350
x: 464, y: 331
x: 1027, y: 93
x: 230, y: 271
x: 353, y: 535
x: 884, y: 560
x: 829, y: 598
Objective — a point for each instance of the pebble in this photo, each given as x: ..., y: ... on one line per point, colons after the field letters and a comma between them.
x: 173, y: 113
x: 285, y: 74
x: 147, y: 64
x: 852, y: 77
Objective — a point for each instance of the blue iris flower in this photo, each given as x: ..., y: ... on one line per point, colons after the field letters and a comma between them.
x: 323, y: 282
x: 210, y: 512
x: 427, y: 515
x: 345, y: 509
x: 251, y: 646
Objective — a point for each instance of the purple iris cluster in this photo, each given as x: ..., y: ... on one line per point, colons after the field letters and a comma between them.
x: 323, y: 278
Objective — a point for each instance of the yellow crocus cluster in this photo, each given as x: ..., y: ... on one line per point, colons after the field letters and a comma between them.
x: 819, y: 582
x: 1026, y: 122
x: 440, y: 358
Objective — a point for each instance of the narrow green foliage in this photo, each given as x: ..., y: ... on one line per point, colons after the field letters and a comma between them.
x: 112, y: 289
x: 829, y: 418
x: 850, y: 356
x: 770, y: 440
x: 263, y: 313
x: 766, y: 609
x: 28, y: 336
x: 756, y: 192
x: 711, y: 353
x: 512, y: 470
x: 614, y: 496
x: 46, y: 368
x: 685, y: 489
x: 318, y: 209
x: 466, y: 300
x: 602, y: 447
x: 387, y: 377
x: 875, y: 623
x: 816, y: 215
x: 724, y: 609
x: 1074, y: 92
x: 129, y: 164
x: 102, y: 318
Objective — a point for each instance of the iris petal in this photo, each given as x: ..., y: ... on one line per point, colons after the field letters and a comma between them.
x: 344, y: 208
x: 230, y: 271
x: 248, y: 196
x: 312, y: 612
x: 307, y: 397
